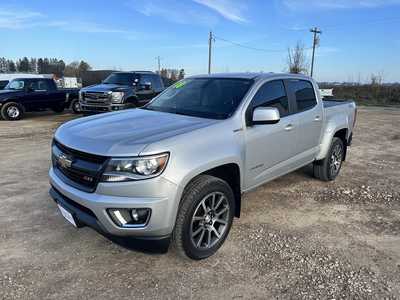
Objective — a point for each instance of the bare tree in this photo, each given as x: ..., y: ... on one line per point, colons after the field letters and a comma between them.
x: 376, y: 79
x: 297, y: 61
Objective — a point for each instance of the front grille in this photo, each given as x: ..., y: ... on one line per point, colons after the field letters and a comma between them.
x: 79, y: 169
x: 79, y: 154
x: 96, y: 97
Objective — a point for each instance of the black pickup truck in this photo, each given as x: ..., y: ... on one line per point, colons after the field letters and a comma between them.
x: 121, y: 90
x: 35, y: 94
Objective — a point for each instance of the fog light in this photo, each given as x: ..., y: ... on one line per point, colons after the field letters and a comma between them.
x: 127, y: 217
x: 135, y: 215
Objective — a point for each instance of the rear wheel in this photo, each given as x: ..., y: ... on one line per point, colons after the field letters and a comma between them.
x: 204, y: 218
x: 59, y: 108
x: 328, y: 168
x: 12, y: 111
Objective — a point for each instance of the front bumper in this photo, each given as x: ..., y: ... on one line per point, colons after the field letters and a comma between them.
x: 158, y: 194
x: 97, y: 108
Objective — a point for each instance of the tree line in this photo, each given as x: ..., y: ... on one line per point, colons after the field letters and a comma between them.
x: 44, y: 66
x: 59, y: 68
x: 170, y: 76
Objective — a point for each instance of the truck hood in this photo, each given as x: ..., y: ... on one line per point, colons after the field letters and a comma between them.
x: 105, y: 88
x: 125, y: 133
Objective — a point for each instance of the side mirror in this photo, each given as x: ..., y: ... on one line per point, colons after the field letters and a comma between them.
x: 147, y: 86
x: 265, y: 115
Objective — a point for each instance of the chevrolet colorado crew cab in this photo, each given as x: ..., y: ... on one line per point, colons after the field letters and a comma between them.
x: 35, y: 94
x: 177, y: 167
x: 121, y: 90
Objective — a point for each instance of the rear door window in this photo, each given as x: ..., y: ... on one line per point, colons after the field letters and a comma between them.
x: 272, y: 94
x: 304, y: 95
x: 39, y: 85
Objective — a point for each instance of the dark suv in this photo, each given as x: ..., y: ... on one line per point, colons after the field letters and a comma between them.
x: 121, y: 90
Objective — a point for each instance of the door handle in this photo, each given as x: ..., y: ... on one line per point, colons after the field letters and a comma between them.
x: 317, y: 118
x: 289, y: 127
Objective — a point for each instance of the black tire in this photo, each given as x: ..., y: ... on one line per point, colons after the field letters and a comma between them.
x: 58, y: 108
x: 328, y: 168
x: 197, y: 192
x: 12, y: 111
x: 75, y: 106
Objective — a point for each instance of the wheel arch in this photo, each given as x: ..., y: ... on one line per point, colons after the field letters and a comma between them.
x: 228, y: 172
x: 342, y: 134
x: 13, y: 101
x: 328, y: 135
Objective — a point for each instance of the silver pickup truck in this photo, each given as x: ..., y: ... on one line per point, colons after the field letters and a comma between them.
x: 176, y: 168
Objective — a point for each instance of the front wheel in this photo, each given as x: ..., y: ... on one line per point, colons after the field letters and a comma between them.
x: 12, y: 111
x: 204, y: 218
x: 75, y: 106
x: 328, y: 168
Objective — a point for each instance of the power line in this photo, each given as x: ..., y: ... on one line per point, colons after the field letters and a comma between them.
x: 247, y: 47
x: 354, y: 24
x: 212, y: 38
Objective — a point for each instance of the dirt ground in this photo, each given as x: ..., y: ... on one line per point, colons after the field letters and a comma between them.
x: 297, y: 238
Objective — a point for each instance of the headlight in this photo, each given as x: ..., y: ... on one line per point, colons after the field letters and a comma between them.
x: 116, y: 97
x: 138, y: 168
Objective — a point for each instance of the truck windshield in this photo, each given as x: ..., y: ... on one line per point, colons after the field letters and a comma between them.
x: 15, y: 85
x: 3, y: 84
x: 214, y: 98
x: 121, y: 78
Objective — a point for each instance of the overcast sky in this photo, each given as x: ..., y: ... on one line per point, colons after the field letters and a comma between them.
x: 359, y: 37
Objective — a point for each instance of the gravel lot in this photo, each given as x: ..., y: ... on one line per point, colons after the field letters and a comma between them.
x: 297, y: 238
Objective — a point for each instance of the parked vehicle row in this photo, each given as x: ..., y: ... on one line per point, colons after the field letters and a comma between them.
x: 176, y: 168
x: 120, y: 90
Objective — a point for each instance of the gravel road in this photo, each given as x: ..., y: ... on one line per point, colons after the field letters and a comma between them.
x: 298, y: 238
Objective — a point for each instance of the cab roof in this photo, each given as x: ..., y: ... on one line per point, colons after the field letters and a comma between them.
x: 254, y: 76
x: 135, y: 72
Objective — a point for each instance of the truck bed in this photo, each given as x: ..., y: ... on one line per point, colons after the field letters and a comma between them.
x: 335, y: 102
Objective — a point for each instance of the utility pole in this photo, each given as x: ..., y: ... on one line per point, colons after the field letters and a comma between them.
x: 159, y: 64
x: 315, y: 31
x: 210, y: 40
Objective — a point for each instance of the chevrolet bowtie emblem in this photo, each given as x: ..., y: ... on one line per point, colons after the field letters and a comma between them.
x: 64, y: 161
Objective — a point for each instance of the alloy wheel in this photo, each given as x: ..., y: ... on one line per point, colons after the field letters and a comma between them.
x: 13, y: 112
x: 336, y: 160
x: 210, y: 220
x: 77, y: 107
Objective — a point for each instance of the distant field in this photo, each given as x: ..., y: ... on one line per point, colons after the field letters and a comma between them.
x: 368, y: 94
